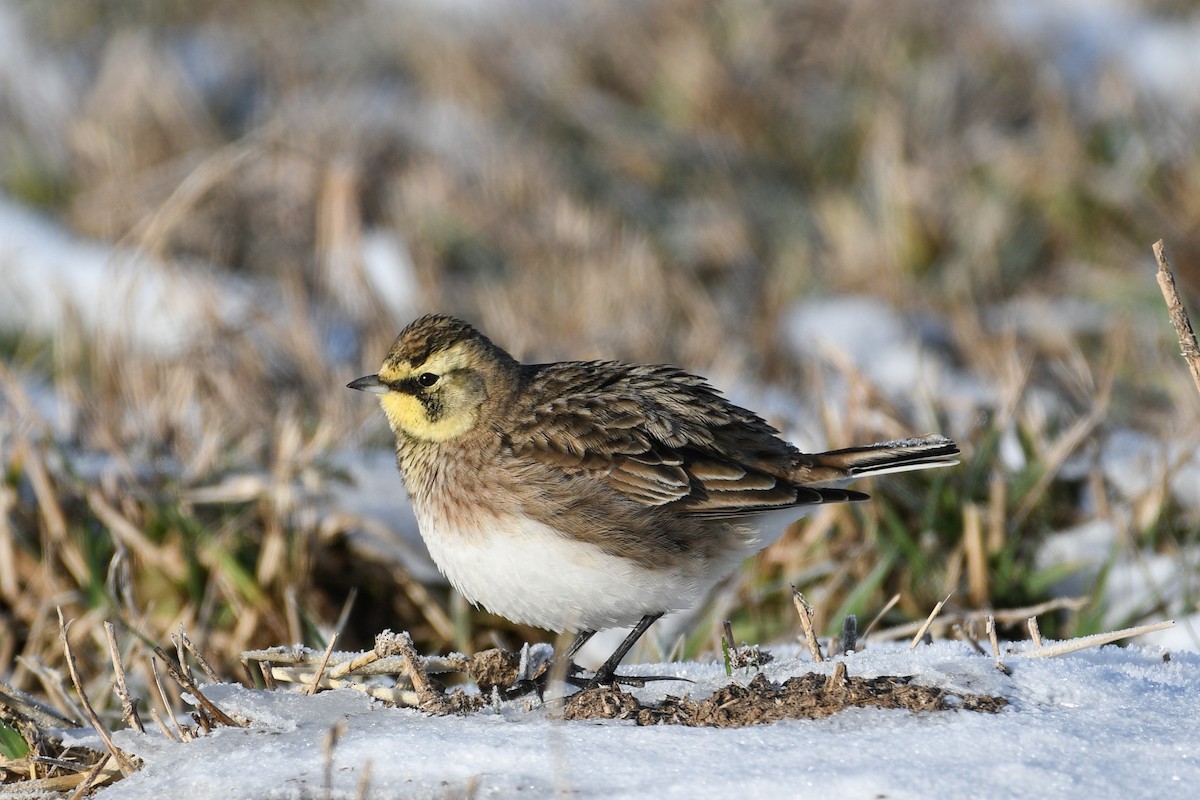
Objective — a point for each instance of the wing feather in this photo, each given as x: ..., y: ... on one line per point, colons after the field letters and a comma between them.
x: 659, y: 436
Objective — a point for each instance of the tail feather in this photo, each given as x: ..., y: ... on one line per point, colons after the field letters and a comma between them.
x: 838, y: 467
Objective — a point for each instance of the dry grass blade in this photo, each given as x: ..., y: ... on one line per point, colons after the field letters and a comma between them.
x: 268, y: 674
x: 995, y: 642
x: 121, y: 759
x: 1008, y: 616
x: 162, y: 726
x: 311, y: 689
x: 103, y: 772
x: 385, y: 659
x: 888, y: 606
x: 1059, y: 452
x: 183, y: 640
x: 29, y: 708
x: 1035, y: 632
x: 1095, y: 640
x: 1189, y: 348
x: 53, y: 518
x: 993, y: 639
x: 162, y: 558
x: 431, y: 700
x: 354, y: 664
x: 391, y: 694
x: 806, y: 623
x: 976, y: 551
x: 129, y: 703
x: 920, y: 634
x: 181, y: 734
x: 190, y: 686
x: 181, y: 655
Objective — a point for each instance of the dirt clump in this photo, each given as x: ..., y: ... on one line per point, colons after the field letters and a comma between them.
x: 809, y: 696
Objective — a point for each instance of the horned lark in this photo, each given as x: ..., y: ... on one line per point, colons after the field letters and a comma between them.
x: 585, y: 495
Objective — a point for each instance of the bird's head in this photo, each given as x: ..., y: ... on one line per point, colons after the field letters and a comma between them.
x: 437, y: 376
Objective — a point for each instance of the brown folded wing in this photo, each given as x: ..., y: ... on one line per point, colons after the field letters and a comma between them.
x: 659, y: 436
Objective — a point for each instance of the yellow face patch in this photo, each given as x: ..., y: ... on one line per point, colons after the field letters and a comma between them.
x: 443, y: 411
x: 406, y: 414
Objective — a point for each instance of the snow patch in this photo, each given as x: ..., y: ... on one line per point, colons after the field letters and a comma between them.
x: 1112, y: 722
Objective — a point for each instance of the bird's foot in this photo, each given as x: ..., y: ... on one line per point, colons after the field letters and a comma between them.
x: 604, y: 677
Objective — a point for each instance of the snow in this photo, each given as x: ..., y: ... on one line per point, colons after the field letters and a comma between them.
x: 1112, y: 722
x: 888, y: 349
x: 1156, y: 54
x: 48, y: 275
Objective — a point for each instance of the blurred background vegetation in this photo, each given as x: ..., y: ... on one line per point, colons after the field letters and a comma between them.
x: 670, y: 180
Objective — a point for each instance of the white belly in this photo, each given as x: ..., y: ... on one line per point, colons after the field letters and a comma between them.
x: 525, y: 572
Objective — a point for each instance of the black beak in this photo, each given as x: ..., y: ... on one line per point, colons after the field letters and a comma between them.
x: 369, y: 383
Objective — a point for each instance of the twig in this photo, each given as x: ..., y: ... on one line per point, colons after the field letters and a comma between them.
x: 995, y: 642
x: 837, y: 680
x: 354, y: 664
x: 1189, y: 348
x: 247, y: 673
x: 1006, y: 616
x: 311, y: 689
x: 122, y: 762
x: 129, y: 703
x: 431, y: 700
x: 103, y: 766
x: 196, y: 654
x: 190, y: 686
x: 1035, y: 633
x: 937, y: 609
x: 185, y: 668
x: 806, y: 623
x: 391, y: 694
x: 1095, y: 640
x: 384, y: 660
x: 162, y: 726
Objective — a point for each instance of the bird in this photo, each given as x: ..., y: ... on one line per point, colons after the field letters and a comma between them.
x: 578, y: 496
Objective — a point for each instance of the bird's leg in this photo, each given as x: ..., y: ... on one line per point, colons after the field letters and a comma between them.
x: 581, y: 638
x: 568, y: 655
x: 607, y: 674
x: 608, y: 670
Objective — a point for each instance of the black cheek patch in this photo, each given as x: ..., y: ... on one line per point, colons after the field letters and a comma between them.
x: 433, y: 406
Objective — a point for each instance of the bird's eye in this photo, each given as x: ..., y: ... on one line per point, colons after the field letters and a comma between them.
x: 427, y: 379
